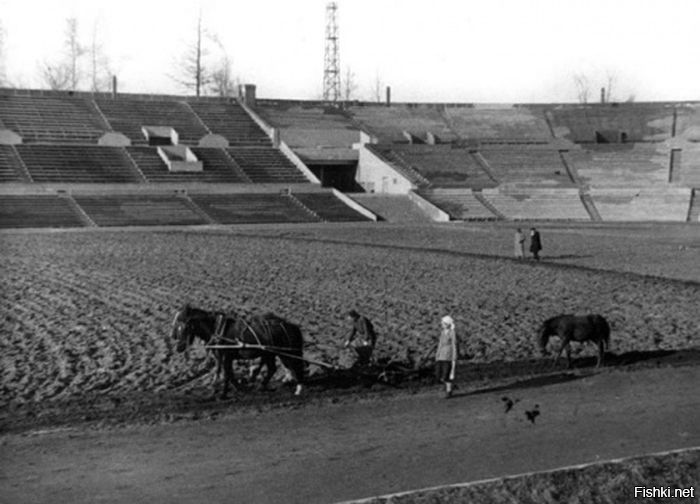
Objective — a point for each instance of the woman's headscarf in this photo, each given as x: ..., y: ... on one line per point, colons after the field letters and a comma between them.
x: 448, y: 322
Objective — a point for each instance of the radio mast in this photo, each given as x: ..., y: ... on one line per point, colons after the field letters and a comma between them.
x: 331, y: 66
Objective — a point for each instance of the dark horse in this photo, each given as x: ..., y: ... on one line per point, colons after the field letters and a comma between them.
x: 262, y: 336
x: 579, y: 328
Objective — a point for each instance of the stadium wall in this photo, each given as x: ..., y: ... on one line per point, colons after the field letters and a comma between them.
x: 376, y: 176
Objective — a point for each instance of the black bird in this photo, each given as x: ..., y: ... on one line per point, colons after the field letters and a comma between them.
x: 533, y: 413
x: 509, y: 403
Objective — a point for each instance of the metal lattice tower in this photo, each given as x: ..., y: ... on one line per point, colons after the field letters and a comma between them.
x: 331, y: 66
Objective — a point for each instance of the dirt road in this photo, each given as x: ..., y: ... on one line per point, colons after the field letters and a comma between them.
x: 354, y: 449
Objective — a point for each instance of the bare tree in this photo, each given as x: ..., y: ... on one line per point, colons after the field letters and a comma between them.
x: 56, y: 76
x: 75, y: 51
x: 223, y: 81
x: 100, y: 71
x: 583, y: 88
x: 66, y: 74
x: 192, y: 73
x: 349, y: 84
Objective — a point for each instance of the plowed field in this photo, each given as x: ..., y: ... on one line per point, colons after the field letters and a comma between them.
x: 86, y: 315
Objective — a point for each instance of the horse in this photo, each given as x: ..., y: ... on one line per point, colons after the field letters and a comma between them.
x: 265, y: 336
x: 581, y: 328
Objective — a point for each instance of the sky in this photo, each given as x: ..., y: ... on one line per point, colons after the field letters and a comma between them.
x: 486, y: 51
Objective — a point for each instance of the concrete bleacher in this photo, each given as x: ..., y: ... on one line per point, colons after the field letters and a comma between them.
x: 249, y: 208
x: 639, y: 122
x: 51, y: 119
x: 138, y: 210
x: 266, y: 165
x: 217, y: 167
x: 527, y: 165
x: 10, y: 165
x: 311, y: 125
x: 642, y: 204
x: 36, y: 211
x: 392, y: 207
x: 78, y: 164
x: 389, y: 123
x: 128, y: 116
x: 539, y: 204
x: 461, y: 204
x: 688, y: 122
x: 688, y: 173
x: 328, y: 207
x: 518, y: 124
x: 228, y: 119
x: 437, y: 165
x: 622, y: 165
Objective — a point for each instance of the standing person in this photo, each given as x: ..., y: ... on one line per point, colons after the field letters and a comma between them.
x: 446, y: 354
x: 362, y: 337
x: 519, y: 244
x: 535, y: 243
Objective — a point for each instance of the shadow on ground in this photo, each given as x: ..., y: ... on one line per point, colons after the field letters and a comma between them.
x: 345, y: 385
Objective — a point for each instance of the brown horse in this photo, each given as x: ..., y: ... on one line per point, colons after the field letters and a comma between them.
x: 233, y: 337
x: 579, y: 328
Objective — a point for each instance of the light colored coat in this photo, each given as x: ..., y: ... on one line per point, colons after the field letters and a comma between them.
x: 447, y: 345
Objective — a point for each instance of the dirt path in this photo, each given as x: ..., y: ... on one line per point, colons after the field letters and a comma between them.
x: 357, y: 449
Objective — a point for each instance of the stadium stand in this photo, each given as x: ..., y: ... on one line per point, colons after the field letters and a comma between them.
x: 138, y: 210
x: 527, y: 165
x: 51, y: 119
x: 328, y: 207
x: 436, y: 165
x: 129, y: 115
x: 688, y: 122
x: 646, y: 204
x: 266, y: 165
x: 461, y: 204
x: 389, y: 123
x: 309, y: 125
x: 688, y: 173
x: 517, y: 124
x: 392, y: 208
x: 629, y: 165
x: 217, y: 167
x: 247, y: 208
x: 613, y: 123
x: 230, y: 120
x: 11, y: 169
x: 35, y: 211
x: 539, y: 204
x: 78, y: 164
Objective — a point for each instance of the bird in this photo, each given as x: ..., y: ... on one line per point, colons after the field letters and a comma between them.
x: 509, y: 403
x: 533, y: 413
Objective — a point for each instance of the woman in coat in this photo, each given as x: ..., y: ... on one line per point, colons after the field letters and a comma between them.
x: 446, y: 354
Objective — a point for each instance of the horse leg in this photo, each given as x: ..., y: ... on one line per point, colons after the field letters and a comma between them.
x: 601, y: 353
x: 228, y: 374
x: 270, y: 368
x: 254, y: 371
x: 296, y: 369
x: 556, y: 357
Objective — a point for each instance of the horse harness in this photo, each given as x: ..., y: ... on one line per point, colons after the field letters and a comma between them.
x: 221, y: 323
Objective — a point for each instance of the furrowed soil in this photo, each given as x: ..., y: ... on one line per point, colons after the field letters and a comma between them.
x: 86, y: 318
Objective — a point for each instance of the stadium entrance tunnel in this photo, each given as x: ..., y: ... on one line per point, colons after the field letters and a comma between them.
x: 338, y: 175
